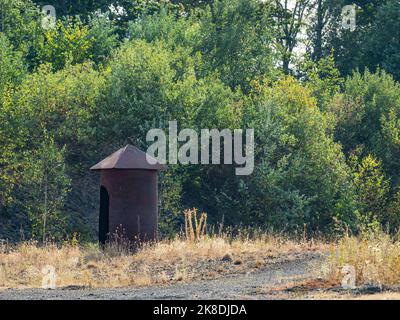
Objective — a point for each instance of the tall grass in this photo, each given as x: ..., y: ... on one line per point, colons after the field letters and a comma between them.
x: 374, y: 255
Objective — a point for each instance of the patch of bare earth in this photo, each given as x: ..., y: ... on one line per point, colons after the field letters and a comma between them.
x: 235, y: 284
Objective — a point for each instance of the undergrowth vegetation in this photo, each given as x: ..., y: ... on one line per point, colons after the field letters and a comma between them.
x: 375, y: 256
x: 168, y: 261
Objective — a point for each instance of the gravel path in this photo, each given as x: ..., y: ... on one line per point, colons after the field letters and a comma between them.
x: 246, y: 286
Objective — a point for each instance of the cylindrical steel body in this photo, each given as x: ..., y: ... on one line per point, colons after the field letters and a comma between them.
x: 133, y: 196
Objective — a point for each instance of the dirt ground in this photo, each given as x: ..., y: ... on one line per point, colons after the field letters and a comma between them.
x: 251, y: 285
x: 294, y: 277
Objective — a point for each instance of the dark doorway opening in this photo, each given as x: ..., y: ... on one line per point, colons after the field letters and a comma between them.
x: 104, y: 215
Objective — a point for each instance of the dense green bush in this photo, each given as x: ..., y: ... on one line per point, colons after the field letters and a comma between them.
x: 368, y: 115
x: 301, y: 176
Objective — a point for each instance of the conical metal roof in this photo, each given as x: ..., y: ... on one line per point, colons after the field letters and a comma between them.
x: 128, y: 157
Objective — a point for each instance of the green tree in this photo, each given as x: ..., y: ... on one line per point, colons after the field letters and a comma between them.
x: 372, y: 190
x: 47, y: 189
x: 353, y: 49
x: 76, y: 7
x: 20, y: 22
x: 175, y: 31
x: 69, y: 42
x: 367, y: 116
x: 136, y: 92
x: 12, y: 72
x: 290, y: 17
x: 105, y: 39
x: 74, y: 42
x: 64, y: 105
x: 323, y: 79
x: 382, y: 45
x: 322, y: 21
x: 237, y: 41
x: 12, y: 68
x: 392, y: 216
x: 300, y: 175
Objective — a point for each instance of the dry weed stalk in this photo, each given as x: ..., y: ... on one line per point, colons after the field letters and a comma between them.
x: 200, y: 224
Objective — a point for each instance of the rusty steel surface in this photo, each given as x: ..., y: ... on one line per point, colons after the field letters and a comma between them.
x: 131, y: 185
x: 128, y: 157
x: 133, y: 196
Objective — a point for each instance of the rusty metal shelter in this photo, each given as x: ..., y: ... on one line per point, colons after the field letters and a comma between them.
x: 128, y: 195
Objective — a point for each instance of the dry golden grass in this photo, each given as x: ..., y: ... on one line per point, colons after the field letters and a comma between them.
x: 197, y: 231
x: 164, y: 262
x: 375, y: 257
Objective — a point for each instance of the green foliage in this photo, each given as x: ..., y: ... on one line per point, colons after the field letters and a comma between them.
x: 47, y: 187
x: 12, y: 72
x: 372, y: 189
x: 171, y: 207
x: 182, y: 32
x: 289, y: 18
x: 226, y: 34
x: 137, y: 85
x: 237, y: 41
x: 301, y: 176
x: 73, y: 94
x: 75, y: 7
x: 103, y: 34
x: 20, y: 22
x: 62, y: 103
x: 12, y: 69
x: 73, y: 42
x: 374, y: 44
x: 382, y: 47
x: 392, y: 218
x: 69, y: 42
x: 368, y: 117
x: 323, y: 79
x: 149, y: 85
x: 63, y: 106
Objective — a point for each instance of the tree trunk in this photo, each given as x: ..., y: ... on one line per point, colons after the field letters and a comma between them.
x: 318, y: 32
